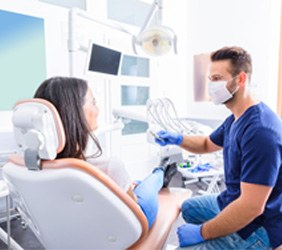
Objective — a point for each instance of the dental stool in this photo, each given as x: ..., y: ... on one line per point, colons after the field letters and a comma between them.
x: 70, y: 204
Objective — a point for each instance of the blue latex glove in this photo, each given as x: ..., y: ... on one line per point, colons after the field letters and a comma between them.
x: 169, y: 138
x: 189, y: 234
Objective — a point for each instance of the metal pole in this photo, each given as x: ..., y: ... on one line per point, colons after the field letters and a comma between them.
x: 8, y: 221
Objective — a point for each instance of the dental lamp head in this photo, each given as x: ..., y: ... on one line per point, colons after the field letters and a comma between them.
x: 156, y: 41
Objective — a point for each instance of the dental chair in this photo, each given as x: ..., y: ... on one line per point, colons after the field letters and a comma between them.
x: 70, y: 204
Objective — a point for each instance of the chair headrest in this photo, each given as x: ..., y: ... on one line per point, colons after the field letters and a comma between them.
x: 38, y: 129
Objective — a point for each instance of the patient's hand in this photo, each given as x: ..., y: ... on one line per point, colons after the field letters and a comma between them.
x: 135, y: 183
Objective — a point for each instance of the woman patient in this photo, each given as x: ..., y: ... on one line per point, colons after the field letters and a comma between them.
x: 77, y: 108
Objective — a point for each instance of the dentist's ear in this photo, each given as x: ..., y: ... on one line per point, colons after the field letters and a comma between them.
x: 243, y: 79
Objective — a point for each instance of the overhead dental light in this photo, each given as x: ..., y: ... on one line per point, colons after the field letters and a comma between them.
x: 156, y: 40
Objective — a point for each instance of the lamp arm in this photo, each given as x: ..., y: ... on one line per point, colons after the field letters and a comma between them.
x: 175, y: 44
x: 159, y: 12
x: 134, y: 42
x: 155, y: 6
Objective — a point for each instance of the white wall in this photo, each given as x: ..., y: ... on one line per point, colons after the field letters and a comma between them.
x: 208, y: 25
x: 173, y: 70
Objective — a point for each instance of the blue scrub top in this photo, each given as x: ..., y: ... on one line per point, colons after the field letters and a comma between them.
x: 252, y: 150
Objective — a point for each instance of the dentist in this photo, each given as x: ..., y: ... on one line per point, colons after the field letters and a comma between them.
x: 248, y: 214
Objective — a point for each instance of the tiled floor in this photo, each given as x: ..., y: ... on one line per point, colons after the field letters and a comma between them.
x: 26, y: 239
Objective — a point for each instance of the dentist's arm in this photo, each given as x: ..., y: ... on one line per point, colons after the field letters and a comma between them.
x: 199, y: 144
x: 235, y: 216
x: 194, y: 144
x: 239, y: 213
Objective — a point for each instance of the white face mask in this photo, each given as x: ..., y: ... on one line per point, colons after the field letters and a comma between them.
x: 218, y: 92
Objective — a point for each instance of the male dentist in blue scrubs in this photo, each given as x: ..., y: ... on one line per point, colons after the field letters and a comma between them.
x: 248, y: 214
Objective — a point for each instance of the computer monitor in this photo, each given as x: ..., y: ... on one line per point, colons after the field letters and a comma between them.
x: 103, y: 59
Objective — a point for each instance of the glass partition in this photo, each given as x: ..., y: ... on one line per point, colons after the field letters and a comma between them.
x: 135, y: 66
x: 134, y: 95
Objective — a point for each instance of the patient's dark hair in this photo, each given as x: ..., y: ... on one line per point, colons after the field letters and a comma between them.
x: 239, y: 58
x: 67, y: 95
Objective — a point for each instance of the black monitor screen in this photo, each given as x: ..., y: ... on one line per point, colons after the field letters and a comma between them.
x: 104, y: 60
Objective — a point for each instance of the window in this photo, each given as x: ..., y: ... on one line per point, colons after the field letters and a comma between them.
x: 134, y: 90
x: 135, y: 66
x: 134, y: 127
x: 134, y: 95
x: 22, y: 40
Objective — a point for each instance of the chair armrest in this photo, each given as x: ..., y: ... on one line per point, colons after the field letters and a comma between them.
x: 170, y: 200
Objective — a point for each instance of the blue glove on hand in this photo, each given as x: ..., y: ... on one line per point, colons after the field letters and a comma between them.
x: 189, y: 234
x: 169, y: 138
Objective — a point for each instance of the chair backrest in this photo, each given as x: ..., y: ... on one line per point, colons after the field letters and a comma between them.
x: 71, y: 204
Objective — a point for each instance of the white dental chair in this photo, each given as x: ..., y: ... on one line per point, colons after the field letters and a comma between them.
x: 68, y: 203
